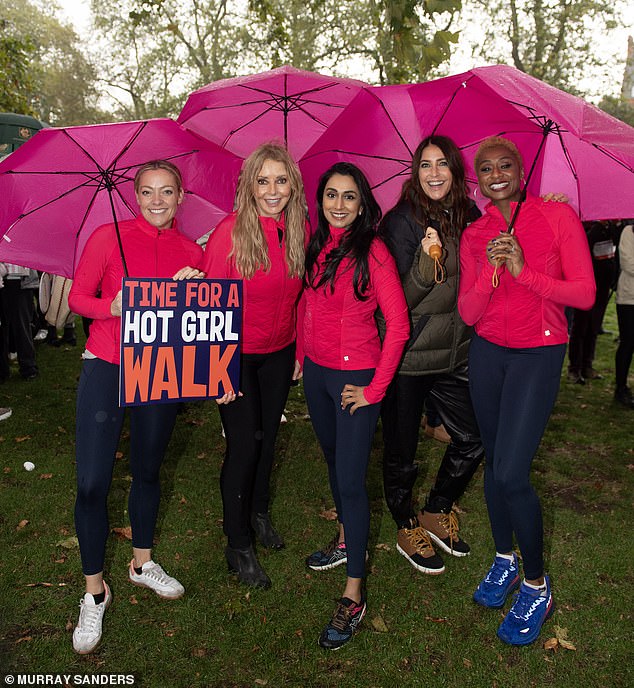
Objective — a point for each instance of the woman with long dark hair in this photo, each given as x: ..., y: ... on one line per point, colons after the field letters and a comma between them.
x: 433, y: 210
x: 349, y: 273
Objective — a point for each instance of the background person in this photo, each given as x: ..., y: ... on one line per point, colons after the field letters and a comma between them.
x: 433, y: 210
x: 262, y: 243
x: 625, y: 316
x: 515, y: 361
x: 153, y: 247
x: 349, y: 273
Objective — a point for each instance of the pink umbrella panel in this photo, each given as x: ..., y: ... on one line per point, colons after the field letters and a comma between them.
x: 587, y: 154
x: 286, y: 104
x: 63, y: 183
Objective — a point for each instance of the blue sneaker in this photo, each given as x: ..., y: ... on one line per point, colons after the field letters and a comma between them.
x: 343, y: 625
x: 530, y: 609
x: 503, y: 577
x: 334, y: 554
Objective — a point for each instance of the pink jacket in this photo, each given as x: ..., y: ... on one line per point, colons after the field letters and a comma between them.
x: 149, y: 252
x: 338, y: 331
x: 269, y: 298
x: 527, y: 311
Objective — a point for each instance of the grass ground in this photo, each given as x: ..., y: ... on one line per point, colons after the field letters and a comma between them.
x: 420, y: 630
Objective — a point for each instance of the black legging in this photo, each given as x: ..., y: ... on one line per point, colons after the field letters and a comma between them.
x: 623, y: 358
x: 401, y: 415
x: 251, y: 423
x: 98, y: 427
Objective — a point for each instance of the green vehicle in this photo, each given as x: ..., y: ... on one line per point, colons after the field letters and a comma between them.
x: 15, y: 130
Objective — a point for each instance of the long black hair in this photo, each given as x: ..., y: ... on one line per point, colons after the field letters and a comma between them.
x: 452, y: 213
x: 355, y: 242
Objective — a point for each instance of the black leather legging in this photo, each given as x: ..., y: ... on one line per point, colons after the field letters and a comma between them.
x: 401, y: 415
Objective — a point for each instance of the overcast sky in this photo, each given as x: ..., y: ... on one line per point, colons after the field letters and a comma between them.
x: 615, y: 48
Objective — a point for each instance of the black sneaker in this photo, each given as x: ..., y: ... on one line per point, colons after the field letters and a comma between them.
x: 344, y: 623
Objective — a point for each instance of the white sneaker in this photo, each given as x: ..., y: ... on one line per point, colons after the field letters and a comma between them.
x: 40, y: 335
x: 153, y: 577
x: 5, y: 413
x: 87, y: 633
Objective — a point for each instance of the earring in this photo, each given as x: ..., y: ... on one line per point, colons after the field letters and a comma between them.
x: 475, y: 191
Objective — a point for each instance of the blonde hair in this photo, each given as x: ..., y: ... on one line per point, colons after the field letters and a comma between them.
x: 159, y: 165
x: 494, y: 142
x: 250, y: 252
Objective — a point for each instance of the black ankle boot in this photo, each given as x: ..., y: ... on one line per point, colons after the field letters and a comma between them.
x: 264, y: 531
x: 245, y: 563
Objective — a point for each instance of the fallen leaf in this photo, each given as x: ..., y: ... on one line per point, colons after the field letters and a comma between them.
x: 123, y: 532
x: 133, y: 599
x: 68, y: 543
x: 23, y: 522
x: 6, y: 468
x: 61, y: 429
x: 202, y: 455
x: 329, y: 514
x: 566, y: 644
x: 69, y: 625
x: 467, y: 663
x: 379, y: 625
x: 199, y: 652
x: 24, y: 639
x: 23, y: 439
x: 45, y: 585
x: 183, y: 500
x: 261, y: 682
x: 437, y: 619
x: 384, y: 547
x: 118, y: 455
x: 551, y: 644
x: 299, y: 633
x: 46, y: 476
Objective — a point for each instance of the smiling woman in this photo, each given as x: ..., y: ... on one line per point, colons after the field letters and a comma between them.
x: 159, y: 192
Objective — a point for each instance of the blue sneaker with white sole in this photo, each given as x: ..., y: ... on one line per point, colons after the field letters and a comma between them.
x: 530, y: 609
x: 503, y: 577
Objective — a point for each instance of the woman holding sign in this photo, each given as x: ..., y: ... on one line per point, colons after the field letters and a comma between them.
x: 262, y: 243
x: 153, y: 247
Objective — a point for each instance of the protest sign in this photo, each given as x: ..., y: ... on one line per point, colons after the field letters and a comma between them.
x: 180, y: 340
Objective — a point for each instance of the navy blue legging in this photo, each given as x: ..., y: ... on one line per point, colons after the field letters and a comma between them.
x: 513, y: 393
x: 98, y: 427
x: 346, y: 442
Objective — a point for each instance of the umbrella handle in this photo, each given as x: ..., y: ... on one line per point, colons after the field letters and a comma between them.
x: 435, y: 252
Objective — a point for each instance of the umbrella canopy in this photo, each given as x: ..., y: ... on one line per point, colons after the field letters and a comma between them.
x: 287, y: 104
x: 587, y: 154
x: 63, y: 183
x: 378, y: 132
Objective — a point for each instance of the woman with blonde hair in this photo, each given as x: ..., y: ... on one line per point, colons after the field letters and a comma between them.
x: 262, y: 242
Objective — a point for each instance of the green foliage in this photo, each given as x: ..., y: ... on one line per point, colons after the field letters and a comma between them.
x: 16, y: 82
x: 60, y: 84
x: 222, y: 635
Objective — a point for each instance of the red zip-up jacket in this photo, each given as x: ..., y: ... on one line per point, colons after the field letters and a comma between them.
x: 269, y: 299
x: 526, y: 311
x: 149, y: 252
x: 338, y: 331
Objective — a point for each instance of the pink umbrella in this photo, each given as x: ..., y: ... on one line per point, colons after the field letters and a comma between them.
x: 288, y: 104
x: 63, y: 183
x: 586, y: 153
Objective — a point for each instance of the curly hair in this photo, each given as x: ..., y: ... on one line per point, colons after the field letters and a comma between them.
x: 451, y: 212
x: 494, y: 142
x: 250, y: 251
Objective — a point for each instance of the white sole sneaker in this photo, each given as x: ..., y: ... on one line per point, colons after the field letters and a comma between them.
x: 87, y: 633
x: 154, y: 577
